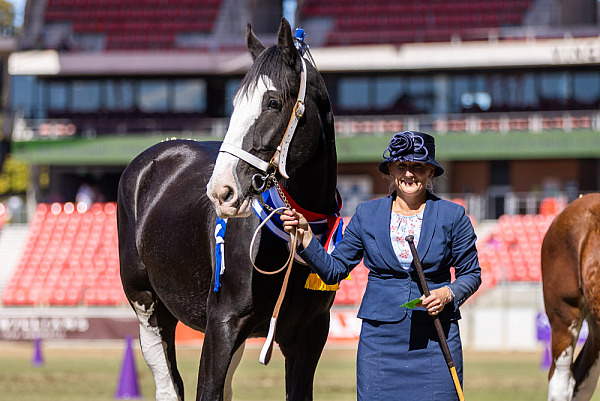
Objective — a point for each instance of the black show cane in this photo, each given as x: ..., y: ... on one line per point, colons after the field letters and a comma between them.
x: 436, y: 320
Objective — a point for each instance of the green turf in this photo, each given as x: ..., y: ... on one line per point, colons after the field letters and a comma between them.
x: 81, y: 373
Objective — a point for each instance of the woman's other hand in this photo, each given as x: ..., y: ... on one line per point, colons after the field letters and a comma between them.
x: 294, y: 220
x: 436, y: 300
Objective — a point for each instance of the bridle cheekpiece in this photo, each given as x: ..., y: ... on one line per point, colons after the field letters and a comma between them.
x: 279, y: 159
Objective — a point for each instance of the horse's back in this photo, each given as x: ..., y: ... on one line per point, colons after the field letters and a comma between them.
x: 570, y: 241
x: 571, y: 225
x: 177, y: 161
x: 165, y: 221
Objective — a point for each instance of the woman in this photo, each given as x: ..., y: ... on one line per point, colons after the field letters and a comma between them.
x: 399, y: 356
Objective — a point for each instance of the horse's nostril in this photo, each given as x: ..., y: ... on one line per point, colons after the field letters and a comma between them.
x: 227, y: 194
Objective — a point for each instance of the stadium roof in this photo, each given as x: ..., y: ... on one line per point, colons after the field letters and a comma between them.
x: 51, y: 62
x: 463, y: 55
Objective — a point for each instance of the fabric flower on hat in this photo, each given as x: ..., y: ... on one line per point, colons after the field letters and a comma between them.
x: 403, y: 146
x: 410, y: 146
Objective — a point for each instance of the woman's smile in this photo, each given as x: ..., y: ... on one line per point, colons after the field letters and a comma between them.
x: 411, y: 176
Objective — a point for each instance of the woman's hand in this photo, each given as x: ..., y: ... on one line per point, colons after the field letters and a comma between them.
x: 436, y: 300
x: 293, y: 220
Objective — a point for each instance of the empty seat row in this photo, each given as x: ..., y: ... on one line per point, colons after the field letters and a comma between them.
x: 70, y: 258
x: 136, y: 24
x: 80, y: 268
x: 407, y: 21
x: 512, y: 251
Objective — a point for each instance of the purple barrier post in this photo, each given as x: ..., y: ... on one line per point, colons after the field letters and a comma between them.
x: 544, y: 335
x: 38, y: 358
x: 128, y: 382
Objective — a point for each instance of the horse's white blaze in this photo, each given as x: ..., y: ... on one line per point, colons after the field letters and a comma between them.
x: 588, y: 385
x: 246, y: 110
x: 153, y: 349
x: 562, y: 382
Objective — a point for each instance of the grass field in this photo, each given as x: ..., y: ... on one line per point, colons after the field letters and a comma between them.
x: 79, y: 372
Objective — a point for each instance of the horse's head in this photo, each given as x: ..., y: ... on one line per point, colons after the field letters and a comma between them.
x: 264, y: 105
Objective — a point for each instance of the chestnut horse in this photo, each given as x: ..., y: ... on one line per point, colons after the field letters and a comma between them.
x: 168, y: 201
x: 571, y: 286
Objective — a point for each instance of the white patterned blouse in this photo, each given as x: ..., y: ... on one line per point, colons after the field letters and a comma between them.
x: 400, y: 227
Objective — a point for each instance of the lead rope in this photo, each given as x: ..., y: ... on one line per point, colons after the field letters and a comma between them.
x: 267, y: 349
x: 292, y: 251
x: 279, y: 210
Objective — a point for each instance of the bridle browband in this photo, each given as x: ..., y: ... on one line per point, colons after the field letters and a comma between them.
x: 279, y: 159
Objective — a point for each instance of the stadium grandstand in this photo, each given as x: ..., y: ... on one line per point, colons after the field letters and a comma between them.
x: 509, y: 88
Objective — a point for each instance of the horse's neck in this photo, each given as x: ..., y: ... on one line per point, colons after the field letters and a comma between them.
x: 314, y: 195
x: 314, y: 186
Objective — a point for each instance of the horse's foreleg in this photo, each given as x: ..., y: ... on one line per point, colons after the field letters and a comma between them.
x: 587, y: 366
x: 565, y: 331
x: 157, y: 339
x: 235, y: 362
x: 221, y: 342
x: 302, y: 355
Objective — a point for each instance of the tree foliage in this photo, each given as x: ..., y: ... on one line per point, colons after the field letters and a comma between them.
x: 7, y: 14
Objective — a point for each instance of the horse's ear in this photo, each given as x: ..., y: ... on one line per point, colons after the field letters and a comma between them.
x: 285, y: 42
x: 254, y: 45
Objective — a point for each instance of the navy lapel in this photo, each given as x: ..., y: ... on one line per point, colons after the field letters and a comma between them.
x: 383, y: 239
x: 430, y: 216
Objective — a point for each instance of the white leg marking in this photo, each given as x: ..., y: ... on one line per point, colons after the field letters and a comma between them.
x: 562, y: 382
x: 235, y: 361
x: 560, y: 387
x: 155, y: 355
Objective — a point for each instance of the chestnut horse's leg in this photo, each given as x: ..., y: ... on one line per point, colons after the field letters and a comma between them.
x: 587, y: 366
x: 563, y: 301
x: 586, y: 369
x: 565, y: 330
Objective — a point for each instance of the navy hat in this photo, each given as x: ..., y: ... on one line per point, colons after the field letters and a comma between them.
x: 410, y: 146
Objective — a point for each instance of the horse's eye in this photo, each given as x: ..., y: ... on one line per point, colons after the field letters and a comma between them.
x: 274, y: 104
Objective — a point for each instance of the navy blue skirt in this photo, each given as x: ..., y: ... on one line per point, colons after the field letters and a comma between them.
x: 404, y: 361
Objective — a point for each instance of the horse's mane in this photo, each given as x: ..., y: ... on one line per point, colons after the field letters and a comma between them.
x: 272, y: 64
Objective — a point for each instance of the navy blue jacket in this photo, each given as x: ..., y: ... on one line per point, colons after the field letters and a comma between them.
x: 447, y: 240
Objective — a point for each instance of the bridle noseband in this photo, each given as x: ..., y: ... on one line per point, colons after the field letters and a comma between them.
x: 279, y: 159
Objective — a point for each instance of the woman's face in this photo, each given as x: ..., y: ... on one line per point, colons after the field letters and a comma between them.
x: 411, y: 177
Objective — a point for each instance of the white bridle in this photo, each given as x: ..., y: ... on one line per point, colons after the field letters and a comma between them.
x: 279, y: 159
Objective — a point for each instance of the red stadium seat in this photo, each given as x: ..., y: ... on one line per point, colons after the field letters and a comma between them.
x: 66, y: 253
x: 137, y: 24
x: 429, y: 20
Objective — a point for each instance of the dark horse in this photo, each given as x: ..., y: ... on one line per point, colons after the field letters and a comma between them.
x: 168, y: 201
x: 571, y: 283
